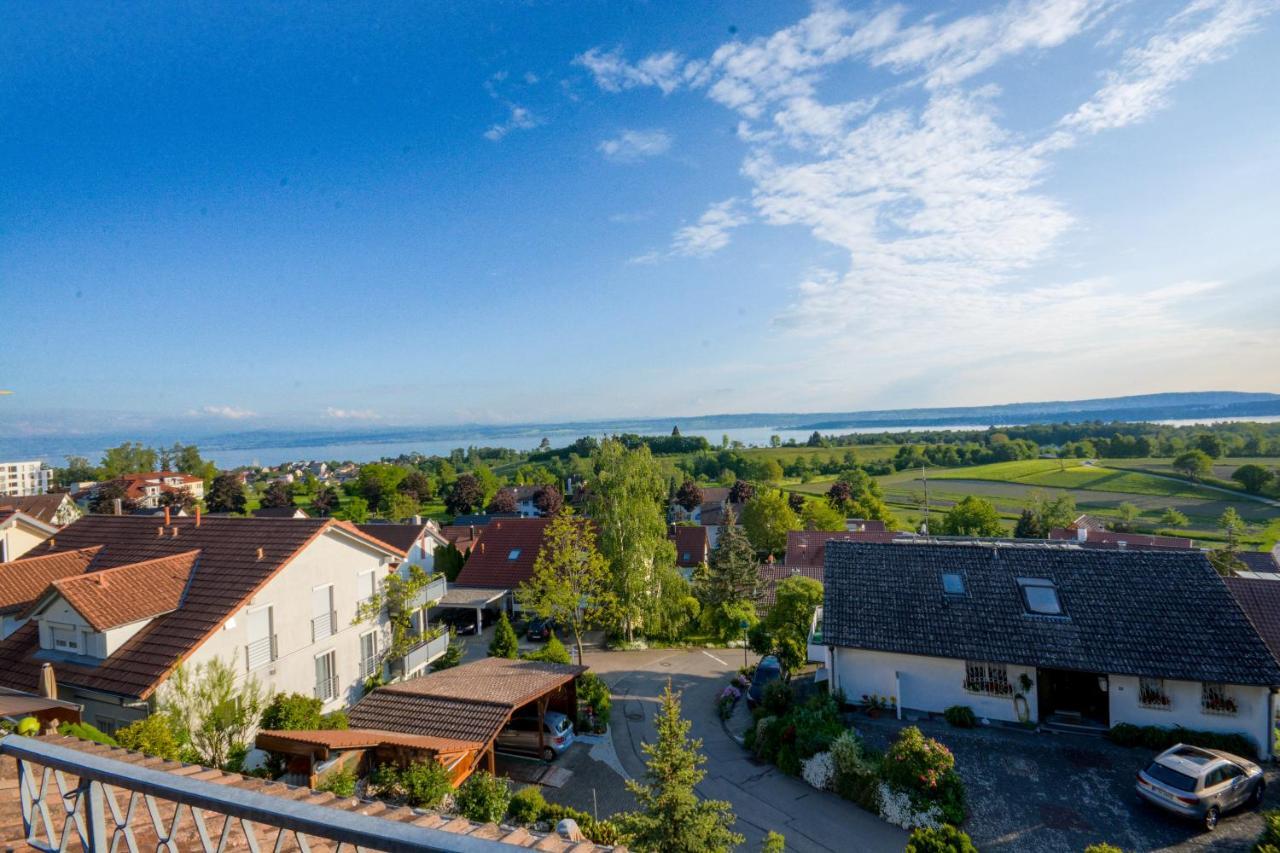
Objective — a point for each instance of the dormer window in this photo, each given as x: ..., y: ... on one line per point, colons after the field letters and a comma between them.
x: 66, y: 638
x: 953, y: 583
x: 1040, y: 596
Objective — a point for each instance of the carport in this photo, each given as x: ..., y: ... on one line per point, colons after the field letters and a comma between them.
x: 312, y: 755
x: 472, y: 702
x: 472, y: 597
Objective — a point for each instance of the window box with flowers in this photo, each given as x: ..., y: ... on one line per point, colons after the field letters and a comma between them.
x: 1214, y: 699
x: 986, y: 678
x: 1151, y: 694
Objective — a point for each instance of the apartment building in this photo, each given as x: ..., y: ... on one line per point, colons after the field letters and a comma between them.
x: 22, y: 479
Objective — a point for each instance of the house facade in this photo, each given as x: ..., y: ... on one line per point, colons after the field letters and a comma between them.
x: 20, y: 533
x: 275, y: 598
x: 56, y: 509
x: 1058, y: 636
x: 22, y: 479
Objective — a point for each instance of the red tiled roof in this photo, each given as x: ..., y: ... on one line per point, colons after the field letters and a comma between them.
x: 805, y: 548
x: 461, y: 536
x: 505, y: 553
x: 40, y: 507
x: 127, y: 594
x: 402, y: 537
x: 772, y: 575
x: 691, y: 544
x: 22, y: 582
x: 468, y: 702
x: 230, y: 572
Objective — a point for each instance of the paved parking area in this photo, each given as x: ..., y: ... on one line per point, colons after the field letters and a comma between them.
x: 1031, y: 791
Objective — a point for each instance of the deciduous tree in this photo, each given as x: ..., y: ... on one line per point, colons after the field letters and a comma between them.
x: 570, y: 580
x: 464, y: 495
x: 325, y: 500
x: 767, y: 517
x: 548, y: 500
x: 1194, y: 464
x: 504, y: 501
x: 226, y: 494
x: 818, y: 515
x: 128, y: 458
x: 1253, y: 477
x: 1172, y: 518
x: 417, y: 484
x: 972, y: 516
x: 689, y: 495
x: 741, y: 492
x: 278, y: 493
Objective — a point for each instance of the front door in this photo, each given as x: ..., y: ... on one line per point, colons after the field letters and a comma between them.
x: 1073, y: 694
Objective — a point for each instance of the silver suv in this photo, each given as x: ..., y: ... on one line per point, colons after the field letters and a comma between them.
x: 521, y: 735
x: 1200, y: 783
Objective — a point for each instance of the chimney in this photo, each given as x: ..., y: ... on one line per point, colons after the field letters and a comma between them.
x: 167, y: 519
x: 160, y: 530
x: 417, y: 519
x: 117, y: 506
x: 259, y: 552
x: 481, y: 547
x: 197, y: 515
x: 173, y: 531
x: 52, y: 542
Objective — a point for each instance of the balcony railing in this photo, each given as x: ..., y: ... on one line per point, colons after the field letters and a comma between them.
x: 425, y: 652
x: 73, y: 800
x: 322, y: 626
x: 261, y: 652
x: 327, y: 688
x: 433, y: 591
x: 370, y: 666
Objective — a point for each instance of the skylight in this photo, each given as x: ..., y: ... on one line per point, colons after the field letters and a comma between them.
x: 514, y: 555
x: 1040, y: 596
x: 952, y: 583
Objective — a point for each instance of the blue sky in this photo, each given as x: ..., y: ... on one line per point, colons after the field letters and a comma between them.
x: 390, y: 213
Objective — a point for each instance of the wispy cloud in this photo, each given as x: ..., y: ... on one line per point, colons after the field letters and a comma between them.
x: 230, y: 412
x: 633, y: 145
x: 518, y: 117
x: 940, y: 208
x: 351, y: 414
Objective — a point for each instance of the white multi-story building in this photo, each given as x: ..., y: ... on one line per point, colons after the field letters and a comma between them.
x: 23, y: 479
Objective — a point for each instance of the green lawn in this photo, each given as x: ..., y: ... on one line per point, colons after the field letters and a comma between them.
x: 1065, y: 475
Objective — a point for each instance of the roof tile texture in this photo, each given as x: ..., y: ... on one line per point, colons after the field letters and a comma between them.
x: 126, y: 594
x: 23, y: 581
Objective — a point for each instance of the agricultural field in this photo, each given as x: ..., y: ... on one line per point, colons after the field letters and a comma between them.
x: 784, y: 455
x: 1100, y: 477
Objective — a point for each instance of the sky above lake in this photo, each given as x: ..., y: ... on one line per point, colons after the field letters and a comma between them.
x: 351, y: 214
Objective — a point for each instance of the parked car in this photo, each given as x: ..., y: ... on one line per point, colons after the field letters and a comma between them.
x: 521, y: 735
x: 541, y: 629
x: 768, y: 671
x: 1202, y: 784
x: 462, y: 621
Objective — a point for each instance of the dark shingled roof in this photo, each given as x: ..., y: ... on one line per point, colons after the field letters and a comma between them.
x: 1259, y: 561
x: 1260, y: 600
x: 401, y: 536
x: 1162, y: 614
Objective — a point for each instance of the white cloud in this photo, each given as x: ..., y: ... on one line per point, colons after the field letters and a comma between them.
x: 940, y: 208
x: 351, y: 414
x: 633, y: 145
x: 519, y: 119
x: 230, y: 412
x: 1202, y: 33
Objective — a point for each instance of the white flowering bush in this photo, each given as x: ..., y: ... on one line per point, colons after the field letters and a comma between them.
x: 819, y: 770
x: 896, y: 808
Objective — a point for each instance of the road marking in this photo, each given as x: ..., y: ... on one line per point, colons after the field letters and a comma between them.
x: 714, y: 658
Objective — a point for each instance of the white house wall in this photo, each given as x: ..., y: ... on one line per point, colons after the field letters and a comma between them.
x: 332, y: 558
x: 923, y: 683
x: 18, y: 539
x: 1252, y: 717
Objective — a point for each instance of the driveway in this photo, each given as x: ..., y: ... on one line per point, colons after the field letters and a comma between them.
x: 763, y: 798
x: 1031, y: 791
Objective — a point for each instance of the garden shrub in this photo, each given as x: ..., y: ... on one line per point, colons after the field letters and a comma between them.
x: 818, y: 771
x: 776, y: 698
x: 292, y: 712
x: 788, y: 759
x: 334, y: 720
x: 925, y: 770
x: 423, y: 784
x: 599, y: 831
x: 527, y: 805
x: 484, y: 797
x: 153, y: 735
x: 768, y: 738
x: 341, y: 783
x: 774, y: 842
x: 856, y: 771
x: 817, y: 723
x: 84, y: 731
x: 944, y: 839
x: 1159, y: 738
x: 749, y: 738
x: 899, y: 808
x: 1105, y: 848
x: 961, y: 716
x: 594, y: 693
x: 1269, y: 840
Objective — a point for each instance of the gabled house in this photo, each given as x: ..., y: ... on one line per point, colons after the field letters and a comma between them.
x: 146, y: 489
x: 115, y: 603
x: 56, y: 508
x: 19, y: 533
x: 693, y: 546
x: 806, y: 549
x: 1090, y: 537
x: 714, y: 500
x: 280, y: 512
x: 502, y: 558
x: 418, y: 540
x: 1067, y: 637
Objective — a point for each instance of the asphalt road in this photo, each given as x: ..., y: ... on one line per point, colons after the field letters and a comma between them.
x: 763, y: 799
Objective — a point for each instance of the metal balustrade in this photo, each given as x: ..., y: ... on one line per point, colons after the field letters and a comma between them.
x: 327, y: 688
x: 425, y: 652
x: 322, y: 626
x: 79, y: 800
x: 261, y: 652
x: 433, y: 591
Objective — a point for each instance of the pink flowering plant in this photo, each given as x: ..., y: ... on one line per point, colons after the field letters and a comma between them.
x: 727, y: 699
x: 924, y: 769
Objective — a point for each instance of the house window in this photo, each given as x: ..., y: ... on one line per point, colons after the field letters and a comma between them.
x: 108, y: 725
x: 323, y: 619
x: 1151, y: 694
x: 366, y: 584
x: 1216, y: 699
x: 514, y: 555
x: 952, y: 583
x: 261, y: 649
x: 326, y: 676
x: 991, y: 679
x: 369, y: 662
x: 1040, y: 596
x: 66, y: 639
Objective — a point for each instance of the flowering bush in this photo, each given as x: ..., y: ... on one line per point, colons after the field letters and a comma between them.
x: 819, y: 771
x: 917, y: 763
x: 742, y: 681
x: 728, y: 697
x: 897, y: 807
x: 731, y: 692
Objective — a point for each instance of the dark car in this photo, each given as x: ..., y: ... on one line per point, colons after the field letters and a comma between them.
x: 461, y: 621
x: 768, y: 671
x: 541, y: 629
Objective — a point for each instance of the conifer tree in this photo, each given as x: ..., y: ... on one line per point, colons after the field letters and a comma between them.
x: 504, y: 643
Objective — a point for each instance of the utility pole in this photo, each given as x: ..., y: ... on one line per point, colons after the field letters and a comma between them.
x: 925, y: 477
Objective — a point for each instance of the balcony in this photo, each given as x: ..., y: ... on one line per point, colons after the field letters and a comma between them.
x: 261, y: 652
x: 433, y: 591
x: 425, y: 652
x: 817, y: 652
x: 322, y: 626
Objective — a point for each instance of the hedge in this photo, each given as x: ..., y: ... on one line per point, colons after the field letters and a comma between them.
x: 1158, y: 738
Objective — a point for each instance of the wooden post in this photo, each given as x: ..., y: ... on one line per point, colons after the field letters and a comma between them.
x: 489, y: 761
x: 542, y: 725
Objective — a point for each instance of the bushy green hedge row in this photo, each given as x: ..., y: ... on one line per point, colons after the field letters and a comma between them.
x: 1158, y: 738
x: 528, y: 807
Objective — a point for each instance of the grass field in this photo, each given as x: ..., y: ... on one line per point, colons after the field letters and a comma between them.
x: 1097, y: 477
